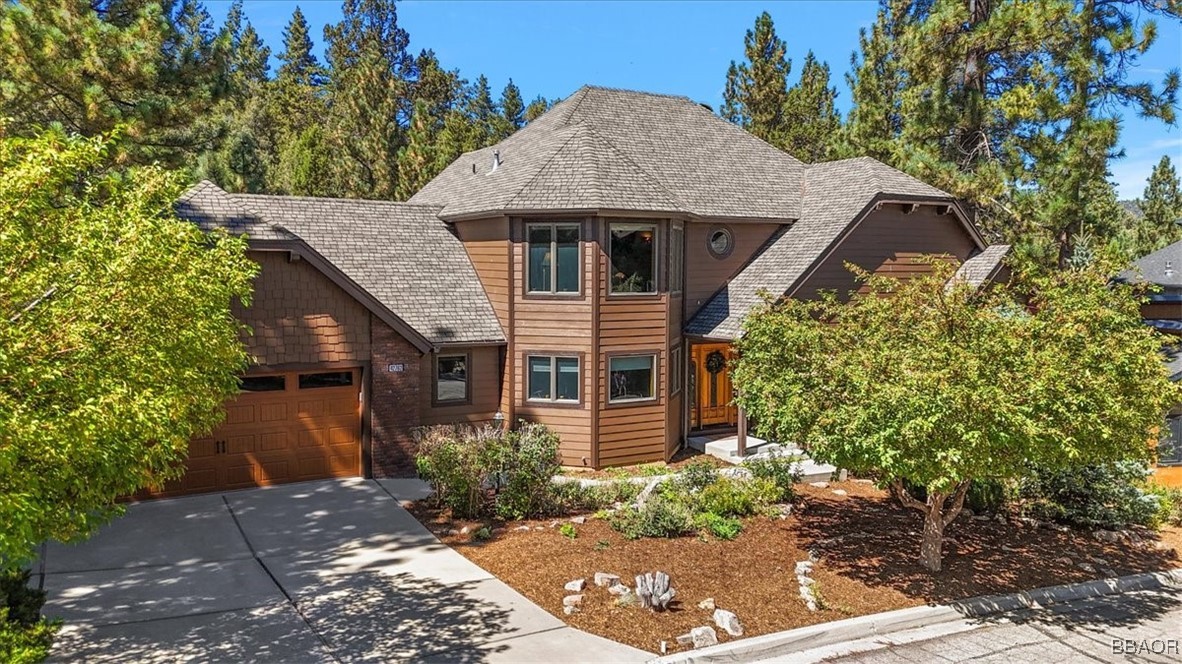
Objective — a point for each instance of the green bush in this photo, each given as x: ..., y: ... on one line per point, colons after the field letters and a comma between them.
x: 567, y: 497
x: 660, y: 517
x: 781, y: 469
x: 987, y: 496
x: 729, y: 496
x: 1108, y: 496
x: 722, y: 527
x: 25, y: 637
x: 696, y: 476
x: 1169, y: 504
x: 460, y: 463
x: 529, y: 460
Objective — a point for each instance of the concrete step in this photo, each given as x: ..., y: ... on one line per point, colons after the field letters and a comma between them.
x: 726, y: 447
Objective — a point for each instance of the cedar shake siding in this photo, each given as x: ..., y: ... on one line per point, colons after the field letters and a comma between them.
x: 887, y: 242
x: 300, y: 317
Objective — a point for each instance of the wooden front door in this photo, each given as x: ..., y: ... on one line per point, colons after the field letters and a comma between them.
x: 289, y: 427
x: 713, y: 403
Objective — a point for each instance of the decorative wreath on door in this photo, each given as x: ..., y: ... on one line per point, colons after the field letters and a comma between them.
x: 715, y: 362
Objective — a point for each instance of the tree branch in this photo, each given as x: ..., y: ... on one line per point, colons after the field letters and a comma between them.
x: 962, y: 490
x: 905, y: 499
x: 32, y: 305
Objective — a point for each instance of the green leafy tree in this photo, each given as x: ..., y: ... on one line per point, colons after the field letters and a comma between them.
x: 757, y: 89
x: 811, y: 123
x: 155, y: 67
x: 118, y: 344
x: 932, y: 386
x: 306, y: 165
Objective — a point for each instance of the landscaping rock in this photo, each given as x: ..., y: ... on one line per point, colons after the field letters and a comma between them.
x: 707, y: 604
x: 982, y: 517
x: 1108, y: 536
x: 967, y: 512
x: 1098, y: 561
x: 685, y: 639
x: 569, y: 610
x: 619, y: 589
x: 647, y: 491
x: 464, y: 530
x: 538, y: 528
x: 728, y: 621
x: 578, y: 519
x: 572, y: 600
x: 703, y: 636
x: 1065, y: 561
x: 653, y: 590
x: 576, y: 586
x: 1108, y: 572
x: 819, y: 485
x: 863, y: 481
x: 804, y: 567
x: 805, y: 581
x: 521, y: 528
x: 840, y: 492
x: 603, y: 579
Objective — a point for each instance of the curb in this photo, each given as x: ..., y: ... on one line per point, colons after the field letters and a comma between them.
x: 851, y: 629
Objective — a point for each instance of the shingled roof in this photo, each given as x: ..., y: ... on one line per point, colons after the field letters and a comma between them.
x: 401, y: 255
x: 980, y: 268
x: 603, y: 148
x: 835, y: 194
x: 1162, y: 267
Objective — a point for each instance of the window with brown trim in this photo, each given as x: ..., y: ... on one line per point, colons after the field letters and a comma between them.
x: 632, y: 378
x: 552, y: 263
x: 451, y: 379
x: 553, y: 378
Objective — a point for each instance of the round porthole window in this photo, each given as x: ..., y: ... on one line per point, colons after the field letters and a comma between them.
x: 720, y: 242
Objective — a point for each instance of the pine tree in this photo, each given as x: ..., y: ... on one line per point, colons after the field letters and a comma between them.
x: 757, y: 89
x: 92, y: 65
x: 536, y: 108
x: 370, y: 79
x: 483, y: 114
x: 1161, y: 203
x: 416, y: 161
x: 875, y: 120
x: 512, y: 115
x: 299, y: 63
x: 811, y: 123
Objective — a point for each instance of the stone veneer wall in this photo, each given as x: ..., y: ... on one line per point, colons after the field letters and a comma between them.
x: 394, y: 401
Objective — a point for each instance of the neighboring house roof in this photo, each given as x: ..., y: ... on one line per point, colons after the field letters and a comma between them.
x: 1173, y: 359
x: 401, y: 255
x: 981, y: 268
x: 603, y: 148
x: 1163, y: 267
x: 836, y: 195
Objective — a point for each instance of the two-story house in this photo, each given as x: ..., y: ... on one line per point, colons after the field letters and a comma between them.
x: 589, y: 272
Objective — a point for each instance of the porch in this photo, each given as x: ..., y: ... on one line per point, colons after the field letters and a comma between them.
x: 725, y: 446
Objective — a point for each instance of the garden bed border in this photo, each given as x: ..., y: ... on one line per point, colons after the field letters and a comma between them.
x: 879, y: 624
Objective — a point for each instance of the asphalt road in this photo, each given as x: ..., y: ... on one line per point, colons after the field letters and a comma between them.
x: 1143, y: 626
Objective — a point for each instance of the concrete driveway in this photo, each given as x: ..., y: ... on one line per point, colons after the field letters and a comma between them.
x: 318, y: 571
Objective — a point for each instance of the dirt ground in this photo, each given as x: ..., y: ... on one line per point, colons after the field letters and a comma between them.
x: 866, y: 547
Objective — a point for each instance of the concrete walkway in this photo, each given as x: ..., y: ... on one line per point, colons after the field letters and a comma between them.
x: 333, y: 571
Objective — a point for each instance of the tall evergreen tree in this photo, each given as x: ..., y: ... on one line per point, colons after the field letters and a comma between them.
x: 299, y: 63
x: 757, y: 89
x: 416, y: 160
x: 536, y: 108
x: 1161, y: 205
x: 875, y: 120
x: 811, y: 123
x: 93, y: 64
x: 483, y: 114
x: 512, y: 108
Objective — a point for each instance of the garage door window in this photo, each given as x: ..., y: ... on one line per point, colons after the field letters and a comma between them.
x: 451, y: 379
x: 262, y: 383
x: 311, y: 381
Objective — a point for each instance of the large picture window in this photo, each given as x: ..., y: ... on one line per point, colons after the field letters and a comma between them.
x: 632, y: 378
x: 451, y: 379
x: 553, y: 378
x: 633, y: 258
x: 553, y: 258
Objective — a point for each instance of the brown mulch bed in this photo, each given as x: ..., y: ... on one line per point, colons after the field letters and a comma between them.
x: 683, y: 458
x: 867, y: 546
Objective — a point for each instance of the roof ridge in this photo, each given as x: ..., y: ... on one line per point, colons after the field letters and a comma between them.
x: 645, y: 93
x: 541, y: 169
x: 337, y: 199
x: 201, y: 186
x: 652, y: 180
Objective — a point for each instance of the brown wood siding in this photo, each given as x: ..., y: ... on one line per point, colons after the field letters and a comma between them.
x: 887, y: 242
x: 547, y: 326
x: 1162, y: 310
x: 633, y: 433
x: 705, y: 274
x: 484, y: 384
x: 488, y: 246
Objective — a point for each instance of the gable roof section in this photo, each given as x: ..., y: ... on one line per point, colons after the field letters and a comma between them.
x: 1162, y: 267
x: 837, y: 195
x: 603, y: 148
x: 402, y: 256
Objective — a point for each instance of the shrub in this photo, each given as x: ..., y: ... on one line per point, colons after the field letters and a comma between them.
x: 697, y: 475
x: 528, y: 462
x: 1169, y: 504
x: 729, y: 496
x: 660, y: 517
x: 24, y: 635
x: 987, y: 496
x: 569, y: 497
x: 459, y: 462
x: 722, y: 527
x: 568, y: 530
x: 1107, y: 496
x: 781, y: 469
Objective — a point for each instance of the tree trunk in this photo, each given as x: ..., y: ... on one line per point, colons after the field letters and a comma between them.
x: 931, y: 549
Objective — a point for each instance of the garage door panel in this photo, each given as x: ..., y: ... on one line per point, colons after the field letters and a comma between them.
x: 239, y: 413
x: 309, y: 408
x: 274, y: 441
x: 342, y: 435
x: 202, y: 448
x: 273, y: 412
x: 344, y: 406
x: 240, y: 444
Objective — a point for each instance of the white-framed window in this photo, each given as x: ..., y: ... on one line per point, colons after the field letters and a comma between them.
x: 676, y: 257
x: 632, y: 378
x: 553, y: 378
x: 676, y: 366
x: 553, y: 258
x: 633, y: 253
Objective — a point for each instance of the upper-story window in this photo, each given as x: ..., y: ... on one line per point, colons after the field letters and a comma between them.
x: 633, y: 258
x: 553, y: 258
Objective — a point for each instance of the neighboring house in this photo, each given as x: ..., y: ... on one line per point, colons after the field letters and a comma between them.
x: 589, y: 272
x: 1163, y: 311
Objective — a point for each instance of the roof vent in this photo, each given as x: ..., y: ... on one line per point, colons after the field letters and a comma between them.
x: 1169, y: 268
x: 496, y: 160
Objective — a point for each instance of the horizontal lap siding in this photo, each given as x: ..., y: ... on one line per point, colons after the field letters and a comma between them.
x: 705, y: 274
x: 1162, y: 310
x: 484, y: 376
x: 887, y: 242
x: 562, y: 326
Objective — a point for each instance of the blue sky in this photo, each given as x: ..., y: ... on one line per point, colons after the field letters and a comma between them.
x: 551, y: 48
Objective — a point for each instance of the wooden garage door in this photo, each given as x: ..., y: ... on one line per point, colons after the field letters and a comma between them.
x: 284, y: 427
